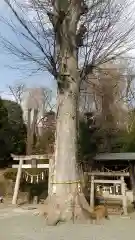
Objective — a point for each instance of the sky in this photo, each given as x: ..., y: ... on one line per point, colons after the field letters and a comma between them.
x: 10, y: 76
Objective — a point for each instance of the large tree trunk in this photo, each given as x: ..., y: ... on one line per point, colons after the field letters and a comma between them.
x: 66, y: 201
x: 51, y: 176
x: 66, y: 139
x: 132, y: 178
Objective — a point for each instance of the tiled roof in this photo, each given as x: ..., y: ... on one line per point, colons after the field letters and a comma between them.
x: 115, y: 156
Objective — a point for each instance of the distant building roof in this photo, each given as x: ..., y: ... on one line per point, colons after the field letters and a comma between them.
x: 115, y: 156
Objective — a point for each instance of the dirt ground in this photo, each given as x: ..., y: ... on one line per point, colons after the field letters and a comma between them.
x: 22, y: 224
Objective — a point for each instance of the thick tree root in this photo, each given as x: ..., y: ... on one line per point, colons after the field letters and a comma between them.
x: 67, y: 209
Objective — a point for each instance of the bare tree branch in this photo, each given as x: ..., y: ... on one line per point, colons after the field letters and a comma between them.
x: 111, y: 82
x: 17, y: 92
x: 101, y: 35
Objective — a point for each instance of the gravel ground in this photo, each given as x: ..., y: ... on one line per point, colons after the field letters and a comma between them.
x: 20, y: 224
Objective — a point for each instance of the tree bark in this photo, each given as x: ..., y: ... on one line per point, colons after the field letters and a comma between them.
x: 67, y: 202
x: 66, y: 139
x: 29, y: 144
x: 51, y: 176
x: 132, y: 178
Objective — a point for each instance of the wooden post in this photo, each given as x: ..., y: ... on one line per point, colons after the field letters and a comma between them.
x: 17, y: 183
x: 34, y: 163
x: 92, y: 193
x: 124, y: 198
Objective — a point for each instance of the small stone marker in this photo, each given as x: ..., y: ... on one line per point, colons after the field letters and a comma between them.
x: 35, y: 200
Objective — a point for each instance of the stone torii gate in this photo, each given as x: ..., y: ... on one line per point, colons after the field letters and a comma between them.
x: 33, y: 159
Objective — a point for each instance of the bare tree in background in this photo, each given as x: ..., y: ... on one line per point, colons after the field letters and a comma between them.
x: 115, y: 80
x: 128, y: 95
x: 69, y: 39
x: 106, y: 92
x: 111, y: 87
x: 17, y: 92
x: 38, y: 102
